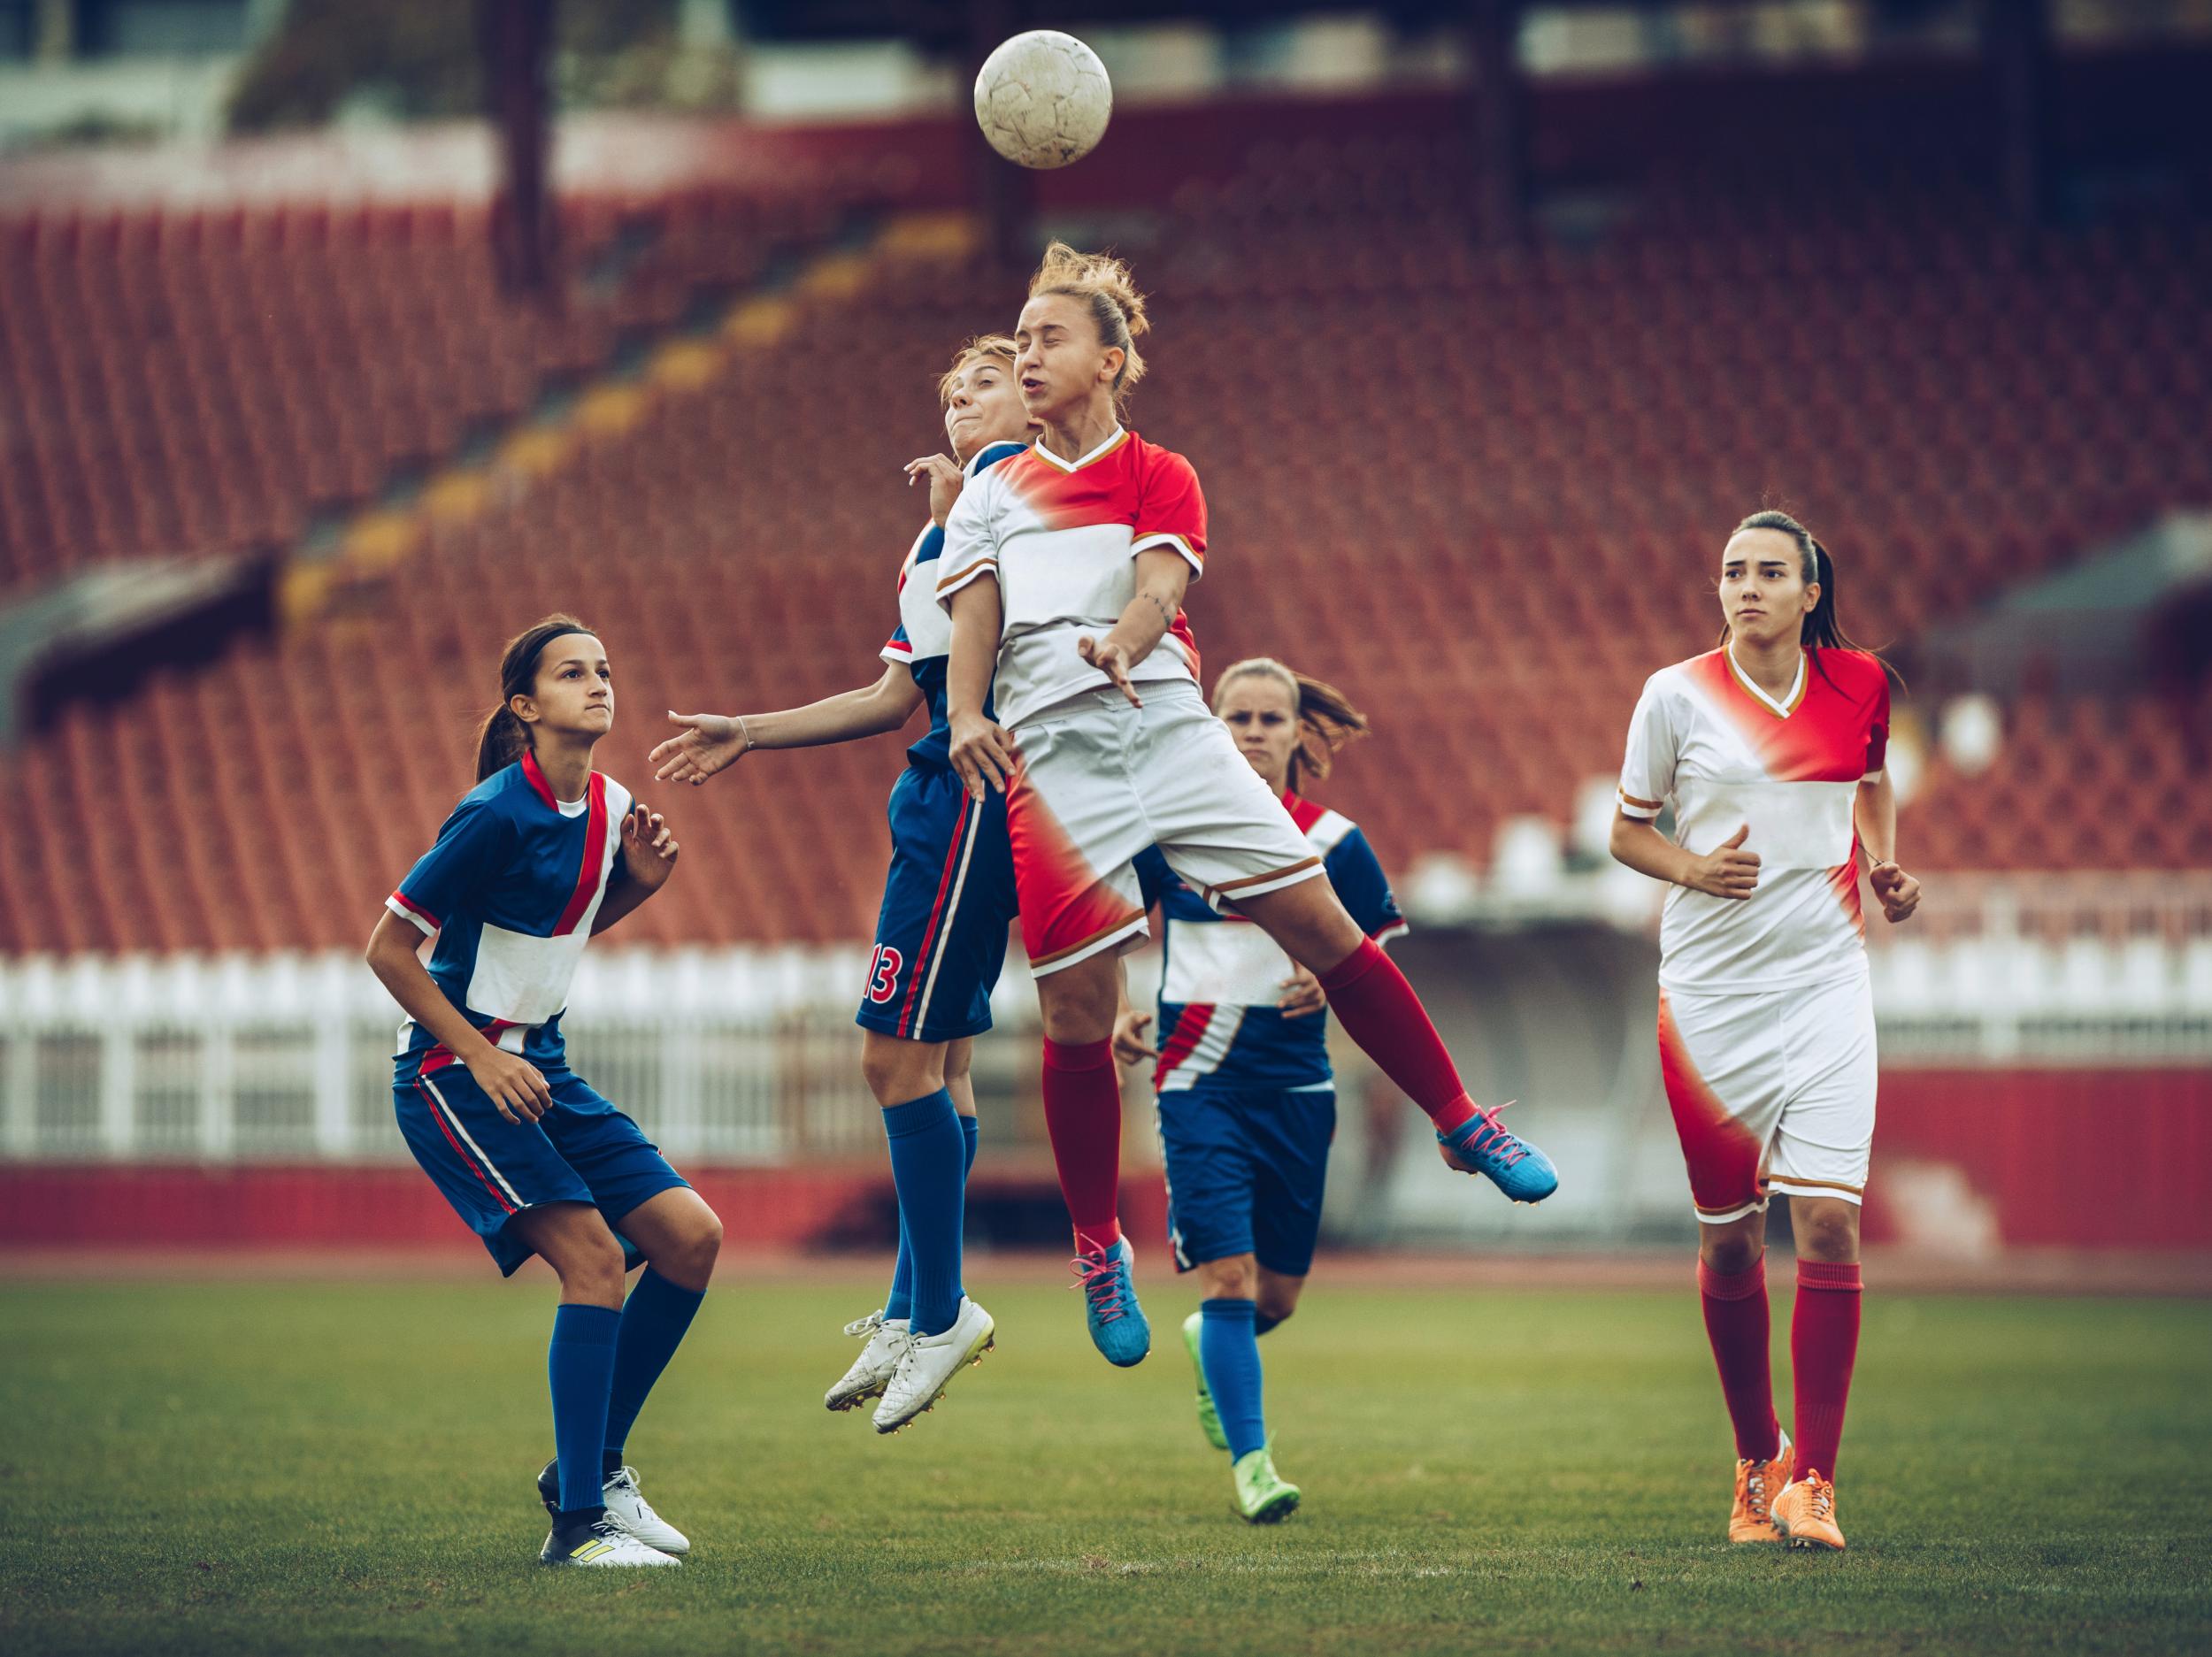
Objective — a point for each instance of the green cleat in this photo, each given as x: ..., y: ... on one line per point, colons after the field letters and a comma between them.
x: 1261, y: 1496
x: 1209, y: 1417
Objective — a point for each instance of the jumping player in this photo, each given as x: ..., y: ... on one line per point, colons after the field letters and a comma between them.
x: 1770, y: 751
x: 1064, y: 571
x: 940, y: 934
x: 542, y: 855
x: 1246, y: 1097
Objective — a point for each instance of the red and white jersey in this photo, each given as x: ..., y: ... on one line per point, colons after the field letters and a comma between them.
x: 1728, y: 756
x: 1062, y: 537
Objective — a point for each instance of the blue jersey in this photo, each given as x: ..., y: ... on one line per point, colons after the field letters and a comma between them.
x: 924, y: 639
x: 1221, y: 976
x: 511, y: 891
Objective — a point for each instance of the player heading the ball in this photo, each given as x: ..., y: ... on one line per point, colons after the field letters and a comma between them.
x: 1064, y: 570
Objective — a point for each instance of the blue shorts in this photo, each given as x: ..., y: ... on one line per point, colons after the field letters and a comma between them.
x: 1246, y: 1168
x: 582, y: 1150
x: 941, y: 937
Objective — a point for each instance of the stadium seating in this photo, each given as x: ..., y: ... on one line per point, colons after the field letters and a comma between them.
x: 1483, y: 491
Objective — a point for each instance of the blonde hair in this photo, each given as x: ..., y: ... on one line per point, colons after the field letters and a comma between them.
x: 997, y: 348
x: 1110, y: 292
x: 1326, y: 718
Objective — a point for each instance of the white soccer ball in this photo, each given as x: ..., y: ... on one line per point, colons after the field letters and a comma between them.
x: 1042, y: 99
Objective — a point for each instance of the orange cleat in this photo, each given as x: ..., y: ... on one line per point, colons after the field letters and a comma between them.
x: 1757, y: 1483
x: 1805, y: 1512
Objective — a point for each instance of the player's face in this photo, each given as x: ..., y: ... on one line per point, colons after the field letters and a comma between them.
x: 1263, y: 716
x: 1763, y: 594
x: 984, y: 407
x: 1061, y: 364
x: 574, y: 694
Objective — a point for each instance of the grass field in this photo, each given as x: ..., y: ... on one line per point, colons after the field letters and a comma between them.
x: 252, y: 1467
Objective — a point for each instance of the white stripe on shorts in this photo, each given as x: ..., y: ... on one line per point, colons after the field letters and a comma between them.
x: 469, y: 1140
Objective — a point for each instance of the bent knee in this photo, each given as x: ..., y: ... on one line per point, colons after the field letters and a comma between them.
x: 1277, y: 1312
x: 897, y: 1071
x: 1832, y: 1235
x: 1732, y: 1251
x: 1235, y: 1279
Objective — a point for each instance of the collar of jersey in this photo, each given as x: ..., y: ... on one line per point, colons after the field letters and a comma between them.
x: 543, y: 789
x: 977, y: 461
x: 1100, y: 453
x: 1781, y: 709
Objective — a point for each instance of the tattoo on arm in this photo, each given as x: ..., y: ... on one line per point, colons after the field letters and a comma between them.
x: 1167, y: 613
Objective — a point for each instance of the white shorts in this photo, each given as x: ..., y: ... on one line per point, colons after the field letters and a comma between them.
x: 1772, y: 1091
x: 1096, y: 781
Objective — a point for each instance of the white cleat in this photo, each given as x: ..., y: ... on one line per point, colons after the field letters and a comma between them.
x: 929, y: 1362
x: 871, y: 1371
x: 627, y: 1506
x: 603, y: 1543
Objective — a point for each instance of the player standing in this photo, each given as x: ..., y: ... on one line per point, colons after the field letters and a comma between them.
x: 1770, y: 749
x: 1246, y: 1096
x: 940, y: 933
x: 542, y: 855
x: 1064, y: 571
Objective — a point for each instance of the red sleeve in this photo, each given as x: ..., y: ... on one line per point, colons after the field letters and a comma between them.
x: 1173, y: 509
x: 1877, y: 727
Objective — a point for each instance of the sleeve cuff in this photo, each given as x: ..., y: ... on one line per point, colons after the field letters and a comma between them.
x: 1631, y: 805
x: 1166, y: 538
x: 399, y: 906
x: 1873, y: 776
x: 959, y: 578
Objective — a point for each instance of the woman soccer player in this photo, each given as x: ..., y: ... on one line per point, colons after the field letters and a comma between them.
x: 941, y: 935
x: 543, y: 852
x: 1064, y: 571
x: 1770, y: 749
x: 1246, y: 1099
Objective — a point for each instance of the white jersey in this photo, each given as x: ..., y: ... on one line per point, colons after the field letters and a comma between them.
x: 1060, y: 537
x: 1728, y: 756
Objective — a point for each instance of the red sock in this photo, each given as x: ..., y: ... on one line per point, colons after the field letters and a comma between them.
x: 1379, y: 1009
x: 1083, y: 1115
x: 1824, y: 1341
x: 1736, y: 1323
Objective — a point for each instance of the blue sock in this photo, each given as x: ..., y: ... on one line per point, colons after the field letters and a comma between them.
x: 1229, y: 1354
x: 968, y: 1133
x: 654, y: 1320
x: 928, y: 1166
x: 580, y: 1364
x: 900, y: 1302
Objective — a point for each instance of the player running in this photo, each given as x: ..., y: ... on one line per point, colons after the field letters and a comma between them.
x: 1770, y: 751
x: 542, y: 855
x: 1064, y: 571
x: 940, y: 933
x: 1246, y: 1098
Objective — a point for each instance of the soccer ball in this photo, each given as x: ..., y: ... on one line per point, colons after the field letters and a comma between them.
x: 1043, y: 99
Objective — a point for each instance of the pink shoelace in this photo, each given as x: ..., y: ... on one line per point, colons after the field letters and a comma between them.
x: 1099, y: 1275
x: 1511, y: 1151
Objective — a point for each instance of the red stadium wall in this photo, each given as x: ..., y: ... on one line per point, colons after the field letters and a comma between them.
x: 2116, y: 1159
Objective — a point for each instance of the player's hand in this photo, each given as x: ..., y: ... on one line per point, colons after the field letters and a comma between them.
x: 1898, y: 892
x: 1111, y: 659
x: 1302, y: 995
x: 709, y: 742
x: 513, y: 1084
x: 648, y: 847
x: 982, y: 753
x: 1129, y: 1047
x: 1727, y: 870
x: 945, y: 480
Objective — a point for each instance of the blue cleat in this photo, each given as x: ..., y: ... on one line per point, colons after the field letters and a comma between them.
x: 1479, y: 1145
x: 1118, y: 1329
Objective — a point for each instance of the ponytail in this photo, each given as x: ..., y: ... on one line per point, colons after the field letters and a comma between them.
x: 1326, y: 718
x: 503, y: 737
x: 1821, y: 630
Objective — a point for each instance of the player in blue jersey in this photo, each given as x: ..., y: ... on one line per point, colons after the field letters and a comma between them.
x: 542, y: 853
x: 940, y: 934
x: 1246, y: 1097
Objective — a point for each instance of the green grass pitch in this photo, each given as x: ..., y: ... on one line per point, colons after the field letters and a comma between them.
x: 250, y: 1467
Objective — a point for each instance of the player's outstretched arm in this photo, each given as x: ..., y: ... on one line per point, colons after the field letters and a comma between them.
x: 1162, y: 577
x: 648, y: 857
x: 1726, y: 872
x: 712, y: 742
x: 982, y: 750
x: 512, y: 1082
x: 1875, y: 812
x: 1130, y: 1045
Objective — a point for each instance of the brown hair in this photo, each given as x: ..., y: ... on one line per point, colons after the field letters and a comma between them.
x: 1821, y: 630
x: 1325, y: 714
x: 1110, y: 292
x: 504, y: 739
x: 998, y: 347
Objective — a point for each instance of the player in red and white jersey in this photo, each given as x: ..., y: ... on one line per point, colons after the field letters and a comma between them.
x: 1770, y: 751
x: 1064, y: 570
